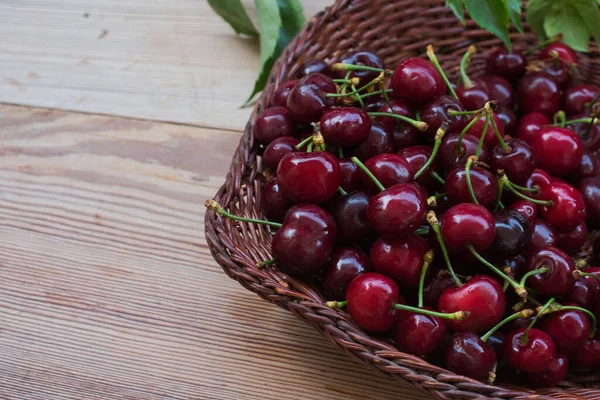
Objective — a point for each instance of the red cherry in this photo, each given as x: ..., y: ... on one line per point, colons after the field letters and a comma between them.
x: 437, y: 112
x: 533, y: 356
x: 272, y: 202
x: 482, y: 296
x: 543, y: 235
x: 350, y: 214
x: 400, y: 258
x: 587, y: 355
x: 578, y: 99
x: 568, y: 207
x: 573, y: 240
x: 540, y: 179
x: 398, y: 107
x: 517, y: 161
x: 491, y: 139
x: 389, y: 169
x: 560, y: 150
x: 474, y: 97
x: 588, y: 168
x: 527, y: 208
x: 416, y: 81
x: 312, y: 67
x: 345, y: 126
x: 350, y: 179
x: 565, y: 54
x: 590, y: 192
x: 398, y: 210
x: 467, y: 354
x: 468, y: 223
x: 558, y: 281
x: 282, y: 93
x: 406, y: 135
x: 277, y: 149
x: 371, y: 297
x: 378, y: 141
x: 589, y: 137
x: 483, y: 182
x: 346, y: 264
x: 530, y: 124
x: 365, y: 58
x: 568, y: 328
x: 558, y: 72
x: 309, y: 177
x: 417, y: 157
x: 552, y: 375
x: 419, y: 334
x: 513, y: 232
x: 539, y: 92
x: 508, y: 118
x: 468, y: 147
x: 435, y: 287
x: 500, y: 89
x: 585, y: 292
x: 306, y: 101
x: 303, y: 244
x: 509, y: 65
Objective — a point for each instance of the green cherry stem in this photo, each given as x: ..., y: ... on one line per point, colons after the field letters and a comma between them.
x: 542, y: 270
x: 578, y: 274
x: 544, y: 43
x: 354, y: 81
x: 509, y: 185
x: 470, y: 162
x: 435, y: 225
x: 499, y: 195
x: 427, y: 260
x: 432, y: 200
x: 588, y: 120
x: 454, y: 113
x: 463, y: 133
x: 336, y: 304
x: 304, y: 142
x: 420, y: 125
x: 520, y: 290
x: 358, y: 98
x: 526, y: 313
x: 560, y: 119
x: 375, y: 81
x: 584, y: 310
x: 438, y: 178
x: 265, y: 263
x: 457, y: 316
x: 422, y: 231
x: 375, y: 93
x: 464, y: 64
x: 436, y: 63
x: 216, y: 207
x: 342, y: 89
x: 541, y: 312
x: 363, y: 167
x: 503, y: 144
x: 342, y: 191
x: 482, y: 138
x: 309, y: 149
x: 352, y: 67
x: 439, y: 135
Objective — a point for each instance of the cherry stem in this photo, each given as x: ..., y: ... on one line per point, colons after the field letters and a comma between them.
x: 434, y: 223
x: 588, y: 120
x: 519, y: 289
x: 422, y: 231
x: 439, y: 135
x: 216, y: 207
x: 342, y: 191
x: 457, y: 316
x: 464, y: 64
x: 432, y: 200
x: 427, y: 260
x: 375, y: 93
x: 499, y: 204
x: 470, y: 162
x: 362, y: 166
x: 528, y: 312
x: 358, y: 98
x: 352, y: 67
x: 503, y: 144
x: 354, y: 81
x: 578, y: 274
x: 542, y: 311
x: 544, y: 43
x: 336, y: 304
x: 340, y: 153
x: 482, y: 138
x: 586, y: 311
x: 560, y: 119
x: 510, y: 187
x: 534, y: 189
x: 454, y: 113
x: 420, y: 125
x: 542, y: 270
x: 437, y: 177
x: 491, y: 378
x: 463, y: 133
x: 385, y: 95
x: 342, y: 89
x: 265, y: 263
x: 304, y: 142
x: 436, y: 63
x: 375, y: 81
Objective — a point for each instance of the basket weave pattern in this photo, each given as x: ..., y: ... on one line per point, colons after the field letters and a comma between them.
x: 394, y: 30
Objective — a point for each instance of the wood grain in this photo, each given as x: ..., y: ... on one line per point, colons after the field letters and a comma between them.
x: 168, y: 60
x: 108, y: 289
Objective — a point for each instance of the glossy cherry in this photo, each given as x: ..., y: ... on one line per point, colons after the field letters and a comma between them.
x: 509, y: 120
x: 419, y: 334
x: 273, y: 123
x: 350, y: 179
x: 565, y: 54
x: 590, y: 192
x: 398, y: 210
x: 313, y: 66
x: 588, y: 168
x: 568, y: 328
x: 491, y: 139
x: 468, y: 223
x: 306, y: 101
x: 451, y: 158
x: 273, y: 203
x: 513, y: 232
x: 543, y: 235
x: 558, y: 72
x: 361, y: 57
x: 282, y: 93
x: 527, y: 209
x: 586, y: 355
x: 371, y: 297
x: 578, y: 99
x: 530, y: 124
x: 399, y: 107
x: 552, y: 375
x: 539, y: 92
x: 416, y: 81
x: 303, y: 244
x: 406, y: 135
x: 500, y: 89
x: 346, y: 264
x: 309, y: 177
x: 585, y: 292
x: 389, y: 169
x: 568, y: 208
x: 589, y: 137
x: 345, y: 126
x: 417, y: 157
x: 437, y: 112
x: 517, y: 160
x: 350, y: 214
x: 468, y: 355
x: 483, y: 182
x: 277, y: 149
x: 560, y: 150
x: 475, y: 96
x: 509, y: 65
x: 400, y: 258
x: 558, y: 281
x: 532, y: 356
x: 434, y: 288
x: 538, y: 179
x: 378, y: 141
x: 573, y: 240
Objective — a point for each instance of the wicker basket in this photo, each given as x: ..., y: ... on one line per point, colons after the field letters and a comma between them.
x: 393, y: 29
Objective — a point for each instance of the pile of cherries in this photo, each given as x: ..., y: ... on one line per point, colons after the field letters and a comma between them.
x: 370, y: 172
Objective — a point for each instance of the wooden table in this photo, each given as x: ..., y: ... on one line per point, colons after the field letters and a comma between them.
x: 117, y: 120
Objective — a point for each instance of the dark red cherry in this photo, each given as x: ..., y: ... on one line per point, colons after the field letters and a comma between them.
x: 475, y: 96
x: 416, y: 81
x: 306, y: 101
x: 578, y: 99
x: 509, y: 120
x: 378, y: 141
x: 435, y: 287
x: 552, y: 375
x: 509, y: 65
x: 500, y: 89
x: 530, y: 125
x: 468, y: 223
x: 558, y: 72
x: 482, y: 296
x: 568, y: 208
x: 589, y: 137
x: 565, y: 54
x: 568, y: 328
x: 513, y: 232
x: 588, y: 168
x: 585, y: 292
x: 346, y: 264
x: 400, y: 258
x: 483, y: 182
x: 533, y: 356
x: 417, y: 157
x: 309, y: 177
x: 419, y: 334
x: 527, y: 209
x: 543, y: 235
x: 350, y: 180
x: 398, y: 107
x: 573, y: 240
x: 273, y: 123
x: 371, y: 297
x: 350, y: 214
x: 558, y: 281
x: 451, y: 158
x: 365, y: 58
x: 406, y: 135
x: 586, y: 355
x: 272, y: 202
x: 559, y: 150
x: 491, y: 139
x: 345, y: 126
x: 517, y: 161
x: 437, y: 112
x: 314, y: 66
x: 496, y: 342
x: 539, y: 178
x: 303, y: 244
x: 539, y: 92
x: 282, y: 93
x: 389, y: 169
x: 398, y: 210
x: 277, y: 149
x: 590, y: 191
x: 373, y: 103
x: 468, y: 355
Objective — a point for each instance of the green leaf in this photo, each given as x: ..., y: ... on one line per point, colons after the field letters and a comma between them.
x: 457, y: 8
x: 491, y: 15
x: 564, y: 17
x: 589, y: 12
x: 536, y: 13
x: 514, y: 12
x: 234, y: 13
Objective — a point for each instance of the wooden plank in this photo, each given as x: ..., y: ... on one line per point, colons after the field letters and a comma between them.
x: 170, y: 60
x: 108, y: 288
